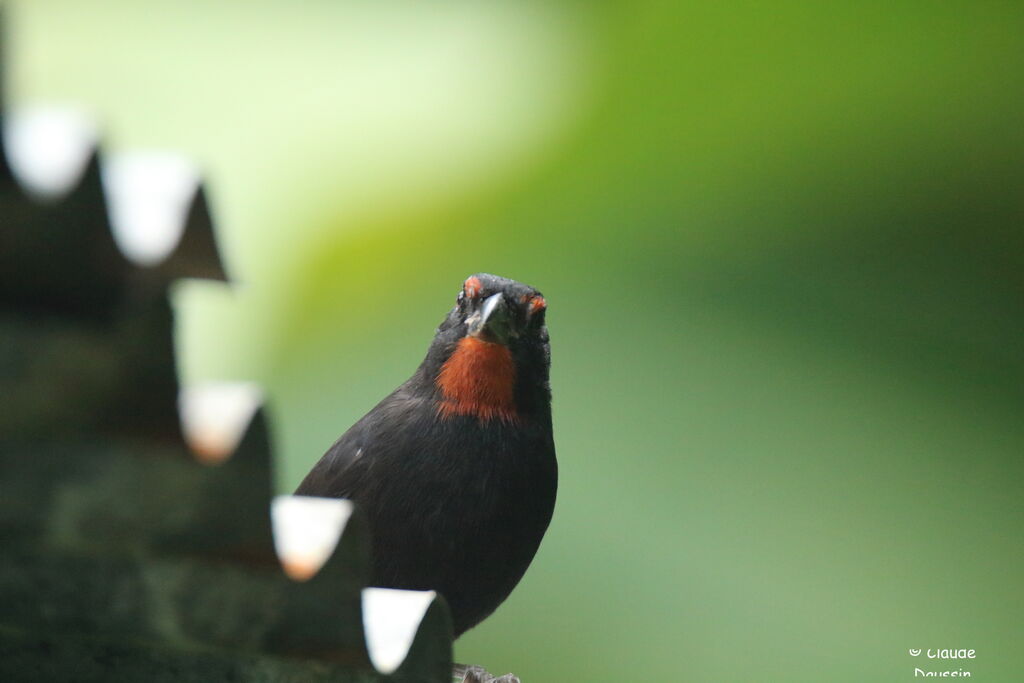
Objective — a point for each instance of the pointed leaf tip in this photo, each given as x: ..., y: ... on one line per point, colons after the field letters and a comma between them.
x: 149, y: 195
x: 48, y: 147
x: 391, y: 619
x: 215, y: 415
x: 306, y: 532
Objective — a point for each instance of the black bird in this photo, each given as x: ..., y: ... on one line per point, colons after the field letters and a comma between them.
x: 455, y: 469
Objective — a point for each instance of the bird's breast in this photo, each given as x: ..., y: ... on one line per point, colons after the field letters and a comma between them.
x: 478, y: 380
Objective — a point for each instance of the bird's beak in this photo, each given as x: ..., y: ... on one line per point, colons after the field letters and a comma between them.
x: 492, y: 322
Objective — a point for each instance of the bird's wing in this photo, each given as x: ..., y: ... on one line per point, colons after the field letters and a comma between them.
x: 339, y: 471
x: 343, y: 471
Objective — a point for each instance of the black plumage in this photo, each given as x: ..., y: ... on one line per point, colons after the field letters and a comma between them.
x: 455, y: 470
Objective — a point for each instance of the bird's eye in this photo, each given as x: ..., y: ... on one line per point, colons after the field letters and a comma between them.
x: 472, y: 287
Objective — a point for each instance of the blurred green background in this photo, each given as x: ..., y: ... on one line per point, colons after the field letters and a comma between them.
x: 782, y: 248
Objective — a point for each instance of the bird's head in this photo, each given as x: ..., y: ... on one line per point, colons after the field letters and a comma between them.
x: 490, y: 356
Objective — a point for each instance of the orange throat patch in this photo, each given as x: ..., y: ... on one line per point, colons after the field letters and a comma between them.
x: 478, y: 379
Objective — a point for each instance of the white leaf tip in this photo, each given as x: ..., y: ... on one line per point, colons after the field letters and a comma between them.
x: 391, y: 619
x: 148, y: 198
x: 48, y: 147
x: 306, y: 532
x: 215, y: 415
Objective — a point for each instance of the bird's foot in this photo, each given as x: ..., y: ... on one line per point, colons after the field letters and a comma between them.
x: 462, y: 673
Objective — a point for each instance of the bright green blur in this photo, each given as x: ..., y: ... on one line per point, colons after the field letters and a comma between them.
x: 782, y: 249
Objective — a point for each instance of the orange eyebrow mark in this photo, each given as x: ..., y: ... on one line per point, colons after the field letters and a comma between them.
x: 537, y: 303
x: 478, y: 379
x: 472, y: 287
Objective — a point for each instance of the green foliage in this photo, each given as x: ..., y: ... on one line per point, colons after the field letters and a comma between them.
x: 781, y: 248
